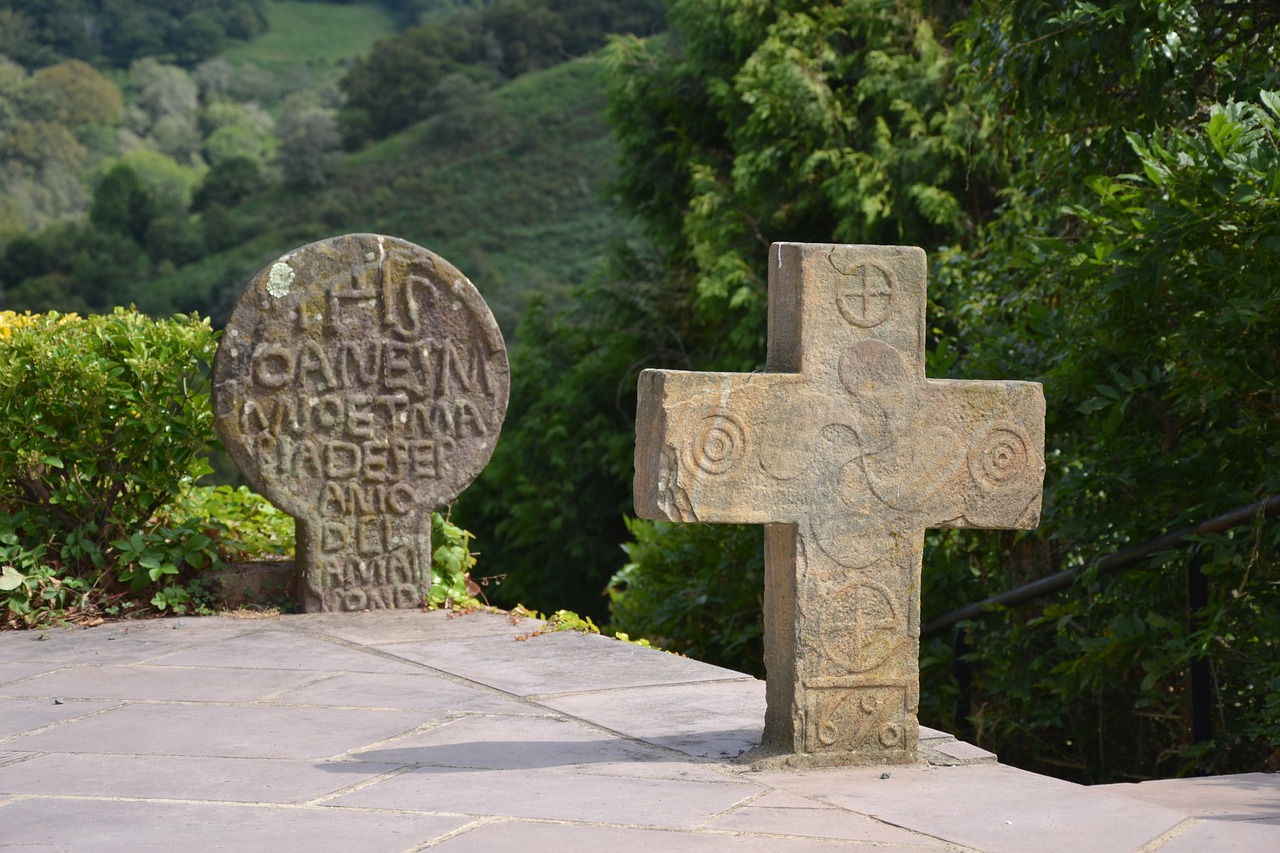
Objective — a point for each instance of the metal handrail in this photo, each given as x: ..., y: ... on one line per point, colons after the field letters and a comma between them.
x: 1112, y: 562
x: 1200, y: 677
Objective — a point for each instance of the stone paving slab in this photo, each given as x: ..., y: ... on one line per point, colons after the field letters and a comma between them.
x: 416, y: 692
x: 161, y: 777
x: 146, y: 682
x: 780, y: 813
x: 157, y: 826
x: 563, y: 662
x: 987, y: 807
x: 719, y: 719
x: 126, y: 642
x: 289, y: 650
x: 24, y: 716
x: 10, y: 672
x: 506, y: 836
x: 230, y: 731
x: 1234, y: 836
x: 408, y: 626
x: 510, y: 743
x: 554, y: 795
x: 409, y: 732
x: 1247, y: 796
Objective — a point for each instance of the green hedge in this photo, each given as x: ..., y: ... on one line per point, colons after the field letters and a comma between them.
x: 107, y: 426
x: 105, y: 420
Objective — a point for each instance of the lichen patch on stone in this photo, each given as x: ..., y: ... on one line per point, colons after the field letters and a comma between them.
x: 280, y: 280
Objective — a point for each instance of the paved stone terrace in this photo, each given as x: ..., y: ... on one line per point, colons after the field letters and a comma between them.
x: 406, y: 731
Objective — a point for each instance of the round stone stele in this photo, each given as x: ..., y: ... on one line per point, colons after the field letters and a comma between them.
x: 361, y: 383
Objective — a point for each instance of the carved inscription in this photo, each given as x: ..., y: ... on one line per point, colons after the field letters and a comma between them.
x: 856, y: 718
x: 360, y: 396
x: 857, y: 627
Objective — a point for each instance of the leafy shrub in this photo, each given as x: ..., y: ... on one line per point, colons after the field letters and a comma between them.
x: 694, y: 589
x: 1155, y: 323
x: 108, y: 422
x: 451, y: 563
x: 248, y: 525
x: 105, y: 420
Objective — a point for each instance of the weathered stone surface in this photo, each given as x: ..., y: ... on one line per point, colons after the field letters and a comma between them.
x: 361, y: 383
x: 846, y: 453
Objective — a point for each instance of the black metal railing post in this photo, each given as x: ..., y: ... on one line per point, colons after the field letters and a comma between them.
x: 963, y: 670
x: 1201, y: 682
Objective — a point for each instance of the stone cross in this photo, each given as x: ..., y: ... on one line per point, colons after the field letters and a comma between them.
x: 846, y: 453
x: 360, y: 384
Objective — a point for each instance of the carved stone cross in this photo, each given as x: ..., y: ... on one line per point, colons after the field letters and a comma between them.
x: 846, y: 453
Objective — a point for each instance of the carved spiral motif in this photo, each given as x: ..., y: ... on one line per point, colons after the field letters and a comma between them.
x: 1001, y: 456
x: 719, y: 444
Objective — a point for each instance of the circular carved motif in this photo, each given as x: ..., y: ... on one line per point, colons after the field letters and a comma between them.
x: 865, y: 295
x: 719, y: 444
x: 858, y: 628
x: 1000, y: 457
x: 870, y: 366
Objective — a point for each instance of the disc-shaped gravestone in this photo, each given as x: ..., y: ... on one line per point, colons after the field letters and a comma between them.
x: 360, y: 384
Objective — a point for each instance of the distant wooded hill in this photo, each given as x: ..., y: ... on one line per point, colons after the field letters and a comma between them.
x: 169, y: 186
x: 35, y: 33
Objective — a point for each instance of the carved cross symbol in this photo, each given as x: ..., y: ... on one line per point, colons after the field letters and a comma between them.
x: 865, y: 296
x: 846, y: 453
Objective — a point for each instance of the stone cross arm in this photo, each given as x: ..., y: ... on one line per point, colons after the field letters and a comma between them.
x: 843, y: 425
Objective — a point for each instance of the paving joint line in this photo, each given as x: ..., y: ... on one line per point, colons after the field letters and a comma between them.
x: 57, y: 668
x: 361, y: 785
x: 286, y: 690
x: 539, y: 697
x: 416, y: 730
x: 1180, y: 828
x: 454, y: 833
x: 19, y: 757
x: 882, y: 821
x: 725, y: 812
x: 67, y: 721
x: 246, y: 804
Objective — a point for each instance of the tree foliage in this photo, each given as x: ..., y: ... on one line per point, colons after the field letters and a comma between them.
x: 553, y: 495
x: 790, y: 121
x: 732, y: 135
x: 74, y: 144
x: 1130, y: 270
x: 309, y: 144
x: 45, y: 32
x: 108, y: 418
x: 1097, y: 190
x: 393, y: 87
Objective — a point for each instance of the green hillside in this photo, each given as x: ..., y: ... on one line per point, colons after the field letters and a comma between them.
x: 507, y: 185
x: 315, y: 35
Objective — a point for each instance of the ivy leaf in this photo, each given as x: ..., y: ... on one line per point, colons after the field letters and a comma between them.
x: 10, y: 579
